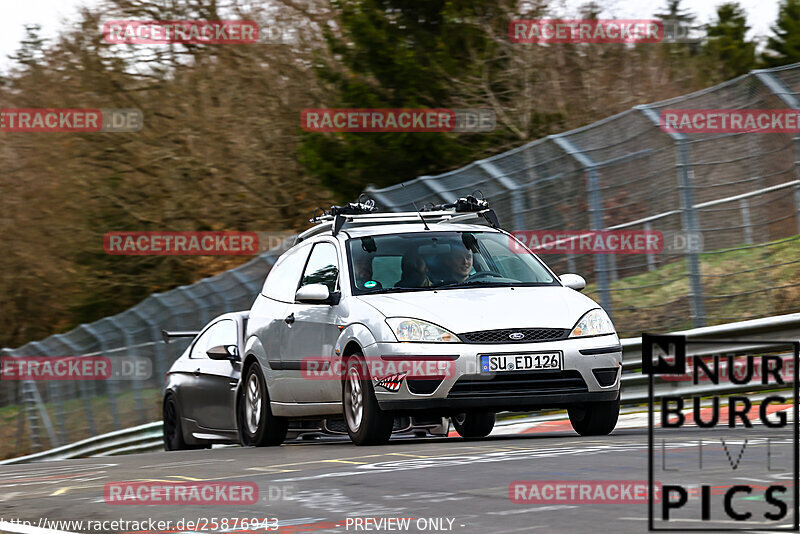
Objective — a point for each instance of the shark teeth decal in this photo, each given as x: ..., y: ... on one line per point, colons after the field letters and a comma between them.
x: 391, y: 382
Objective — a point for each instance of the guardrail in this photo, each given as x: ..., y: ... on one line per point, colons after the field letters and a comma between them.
x: 148, y: 437
x: 776, y: 328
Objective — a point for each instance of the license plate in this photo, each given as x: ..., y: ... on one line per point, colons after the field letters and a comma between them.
x: 498, y: 363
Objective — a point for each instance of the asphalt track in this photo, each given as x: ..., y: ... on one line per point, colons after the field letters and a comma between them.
x: 460, y: 486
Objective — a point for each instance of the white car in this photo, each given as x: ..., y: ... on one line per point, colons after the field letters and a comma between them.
x: 435, y: 313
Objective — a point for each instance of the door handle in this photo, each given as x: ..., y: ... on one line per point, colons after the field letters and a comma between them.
x: 197, y: 372
x: 290, y: 318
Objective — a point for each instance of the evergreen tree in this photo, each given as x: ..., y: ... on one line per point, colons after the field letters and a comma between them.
x: 727, y: 51
x: 31, y: 47
x: 783, y: 48
x: 676, y: 20
x: 399, y: 54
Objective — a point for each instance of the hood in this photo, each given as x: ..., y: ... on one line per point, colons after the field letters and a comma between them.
x: 489, y: 308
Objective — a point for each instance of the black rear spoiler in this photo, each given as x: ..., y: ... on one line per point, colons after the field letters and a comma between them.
x: 168, y: 335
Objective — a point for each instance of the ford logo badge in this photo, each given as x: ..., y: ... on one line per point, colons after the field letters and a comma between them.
x: 516, y: 335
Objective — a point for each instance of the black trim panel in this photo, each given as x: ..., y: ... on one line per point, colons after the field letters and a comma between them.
x: 510, y: 402
x: 280, y: 365
x: 601, y: 350
x: 421, y: 357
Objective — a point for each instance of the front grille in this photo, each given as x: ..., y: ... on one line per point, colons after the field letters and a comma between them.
x: 524, y: 383
x: 529, y: 335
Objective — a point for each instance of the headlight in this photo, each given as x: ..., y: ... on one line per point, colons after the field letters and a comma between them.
x: 415, y: 330
x: 593, y: 323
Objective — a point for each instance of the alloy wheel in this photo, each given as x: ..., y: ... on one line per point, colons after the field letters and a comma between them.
x: 354, y: 399
x: 252, y: 405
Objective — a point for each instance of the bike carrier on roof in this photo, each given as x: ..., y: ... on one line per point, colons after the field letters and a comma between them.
x: 364, y: 213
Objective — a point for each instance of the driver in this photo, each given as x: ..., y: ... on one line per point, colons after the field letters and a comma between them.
x: 414, y: 271
x: 459, y: 264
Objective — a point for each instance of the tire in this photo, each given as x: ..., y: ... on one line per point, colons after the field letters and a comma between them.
x: 367, y: 424
x: 474, y: 425
x: 173, y: 433
x: 595, y: 419
x: 257, y: 426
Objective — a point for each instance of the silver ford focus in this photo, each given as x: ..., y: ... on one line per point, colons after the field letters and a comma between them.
x: 433, y: 313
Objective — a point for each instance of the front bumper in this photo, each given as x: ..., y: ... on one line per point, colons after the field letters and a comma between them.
x: 591, y: 376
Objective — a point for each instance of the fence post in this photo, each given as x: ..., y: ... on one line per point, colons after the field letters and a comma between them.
x: 44, y: 416
x: 160, y: 363
x: 651, y: 260
x: 113, y: 383
x: 517, y: 197
x: 87, y: 405
x: 797, y: 205
x: 688, y: 216
x: 595, y: 213
x: 137, y: 384
x: 788, y: 97
x: 744, y: 209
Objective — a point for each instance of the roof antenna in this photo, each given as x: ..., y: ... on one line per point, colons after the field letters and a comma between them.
x: 416, y: 209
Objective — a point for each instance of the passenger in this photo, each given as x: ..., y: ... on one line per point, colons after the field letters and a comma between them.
x: 459, y: 263
x: 414, y: 271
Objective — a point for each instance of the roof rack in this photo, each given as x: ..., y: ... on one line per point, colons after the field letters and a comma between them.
x: 363, y: 213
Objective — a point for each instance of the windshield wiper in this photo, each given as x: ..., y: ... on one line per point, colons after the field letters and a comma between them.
x: 477, y: 282
x: 394, y: 290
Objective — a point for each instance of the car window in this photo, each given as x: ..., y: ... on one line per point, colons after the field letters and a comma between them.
x: 430, y: 260
x: 323, y: 267
x: 282, y: 280
x: 385, y: 269
x: 221, y: 333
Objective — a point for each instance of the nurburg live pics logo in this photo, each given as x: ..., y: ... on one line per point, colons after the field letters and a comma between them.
x: 764, y: 502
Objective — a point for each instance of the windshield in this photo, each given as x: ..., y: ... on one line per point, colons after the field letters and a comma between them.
x: 433, y: 260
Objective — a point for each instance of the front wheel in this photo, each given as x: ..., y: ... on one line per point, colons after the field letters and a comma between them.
x: 474, y: 425
x: 257, y: 426
x: 367, y: 424
x: 594, y: 419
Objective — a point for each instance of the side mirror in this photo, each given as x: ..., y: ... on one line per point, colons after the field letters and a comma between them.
x: 224, y: 352
x: 315, y: 294
x: 573, y: 281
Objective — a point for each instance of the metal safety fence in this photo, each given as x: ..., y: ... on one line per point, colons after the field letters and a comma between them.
x: 740, y: 191
x: 38, y: 414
